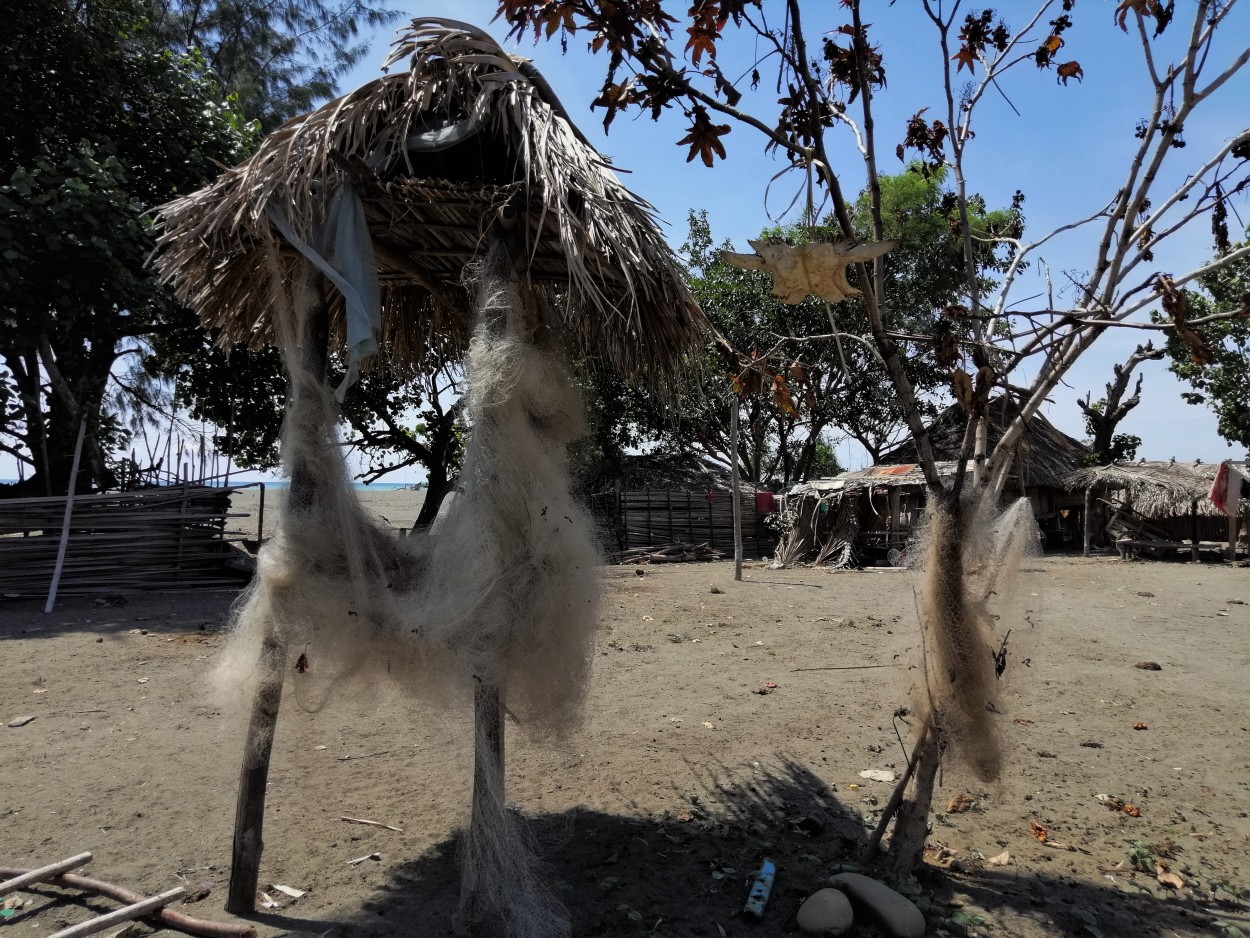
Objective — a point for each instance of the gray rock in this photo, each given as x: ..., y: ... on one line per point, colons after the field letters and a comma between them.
x: 826, y: 912
x: 895, y: 912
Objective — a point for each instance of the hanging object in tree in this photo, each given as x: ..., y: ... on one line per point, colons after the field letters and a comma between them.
x: 803, y: 270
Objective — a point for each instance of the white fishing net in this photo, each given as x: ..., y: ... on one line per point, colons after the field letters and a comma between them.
x: 503, y: 593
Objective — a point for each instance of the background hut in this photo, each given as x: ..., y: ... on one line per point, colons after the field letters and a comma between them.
x: 866, y: 516
x: 1044, y: 458
x: 1152, y: 508
x: 860, y: 517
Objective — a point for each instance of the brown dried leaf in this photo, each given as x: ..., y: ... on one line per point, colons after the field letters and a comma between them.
x: 964, y: 56
x: 1070, y: 70
x: 703, y: 137
x: 961, y: 385
x: 1039, y: 831
x: 1168, y: 878
x: 960, y: 803
x: 1141, y: 726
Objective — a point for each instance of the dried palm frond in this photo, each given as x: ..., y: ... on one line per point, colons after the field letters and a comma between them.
x: 1156, y: 489
x: 588, y: 240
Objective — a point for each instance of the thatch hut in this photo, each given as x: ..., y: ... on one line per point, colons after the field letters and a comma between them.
x: 1044, y: 457
x: 1153, y: 507
x: 867, y: 515
x: 429, y: 156
x: 450, y: 207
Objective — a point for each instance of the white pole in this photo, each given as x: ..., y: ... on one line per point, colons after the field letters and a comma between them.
x: 69, y: 510
x: 733, y: 477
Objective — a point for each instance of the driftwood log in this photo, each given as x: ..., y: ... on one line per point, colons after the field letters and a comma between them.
x: 669, y: 553
x: 167, y: 917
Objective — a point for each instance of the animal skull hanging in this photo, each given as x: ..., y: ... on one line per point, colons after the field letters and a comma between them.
x: 803, y: 270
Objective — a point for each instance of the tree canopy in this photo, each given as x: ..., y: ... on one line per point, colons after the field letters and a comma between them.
x: 120, y: 125
x: 1223, y: 382
x: 278, y: 58
x: 114, y: 107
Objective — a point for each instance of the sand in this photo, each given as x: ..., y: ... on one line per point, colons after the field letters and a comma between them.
x: 653, y: 815
x: 397, y: 507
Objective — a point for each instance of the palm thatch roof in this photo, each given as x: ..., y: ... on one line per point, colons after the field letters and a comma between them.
x: 434, y: 152
x: 1046, y: 455
x: 894, y: 475
x: 1155, y: 489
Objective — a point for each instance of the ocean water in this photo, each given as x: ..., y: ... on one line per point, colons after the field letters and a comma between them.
x: 283, y: 483
x: 358, y: 486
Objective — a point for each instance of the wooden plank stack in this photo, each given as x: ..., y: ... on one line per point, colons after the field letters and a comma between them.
x: 167, y: 537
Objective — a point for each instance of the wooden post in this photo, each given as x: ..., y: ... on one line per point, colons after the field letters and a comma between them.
x: 1089, y: 520
x: 488, y: 804
x: 260, y: 517
x: 69, y: 511
x: 1193, y: 530
x: 733, y: 482
x: 1231, y: 553
x: 650, y: 536
x: 249, y: 815
x: 488, y: 754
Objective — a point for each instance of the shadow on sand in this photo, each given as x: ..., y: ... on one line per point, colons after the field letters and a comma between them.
x: 687, y: 873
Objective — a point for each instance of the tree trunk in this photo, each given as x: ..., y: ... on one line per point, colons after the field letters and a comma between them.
x: 911, y: 825
x: 437, y: 487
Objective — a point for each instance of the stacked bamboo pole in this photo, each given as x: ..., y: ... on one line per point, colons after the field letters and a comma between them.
x: 171, y: 537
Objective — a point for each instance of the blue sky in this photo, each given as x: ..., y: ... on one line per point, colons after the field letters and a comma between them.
x: 1067, y: 151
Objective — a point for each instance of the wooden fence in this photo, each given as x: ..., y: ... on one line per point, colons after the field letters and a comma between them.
x: 653, y: 517
x: 170, y: 537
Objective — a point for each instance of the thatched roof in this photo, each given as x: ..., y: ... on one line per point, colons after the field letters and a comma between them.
x: 1156, y: 489
x: 882, y: 476
x: 1047, y: 454
x: 619, y: 287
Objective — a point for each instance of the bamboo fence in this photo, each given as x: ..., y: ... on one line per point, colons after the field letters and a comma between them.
x: 646, y: 518
x: 169, y: 537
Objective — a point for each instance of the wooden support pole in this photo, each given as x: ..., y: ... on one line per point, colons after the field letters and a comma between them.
x: 1193, y: 530
x: 249, y: 811
x: 1231, y: 553
x: 69, y: 511
x: 488, y: 762
x: 249, y: 817
x: 1088, y: 518
x: 733, y: 482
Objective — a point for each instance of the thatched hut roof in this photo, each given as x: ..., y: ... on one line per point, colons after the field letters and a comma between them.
x: 904, y: 475
x: 433, y: 152
x: 1156, y: 489
x: 1047, y: 454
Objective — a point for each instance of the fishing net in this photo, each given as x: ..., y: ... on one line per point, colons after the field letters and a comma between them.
x: 971, y: 563
x: 501, y: 594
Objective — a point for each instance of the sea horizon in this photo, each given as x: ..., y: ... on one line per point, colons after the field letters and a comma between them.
x: 284, y: 483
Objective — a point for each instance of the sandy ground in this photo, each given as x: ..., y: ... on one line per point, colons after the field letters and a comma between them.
x: 653, y: 815
x: 397, y: 507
